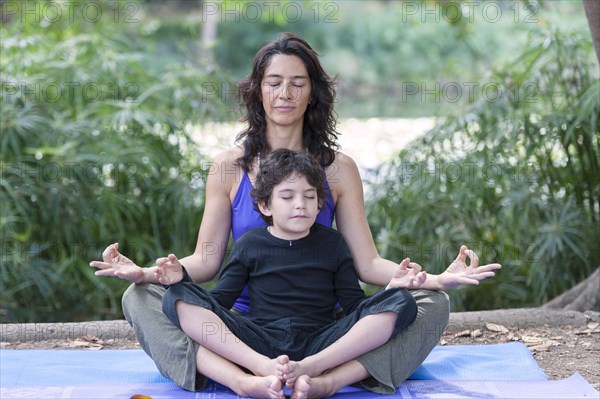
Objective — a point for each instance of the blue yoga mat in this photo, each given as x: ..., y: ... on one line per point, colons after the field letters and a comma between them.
x: 73, y: 374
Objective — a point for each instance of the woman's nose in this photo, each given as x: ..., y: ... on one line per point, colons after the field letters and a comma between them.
x: 285, y: 92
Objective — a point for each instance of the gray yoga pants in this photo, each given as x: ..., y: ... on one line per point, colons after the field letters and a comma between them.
x: 389, y: 365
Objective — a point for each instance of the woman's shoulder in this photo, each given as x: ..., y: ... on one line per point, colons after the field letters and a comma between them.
x: 342, y: 171
x: 223, y: 171
x: 229, y: 156
x: 343, y: 163
x: 225, y: 163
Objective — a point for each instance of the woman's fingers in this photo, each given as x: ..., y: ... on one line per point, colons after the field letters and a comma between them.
x: 473, y: 257
x: 106, y: 269
x: 111, y: 252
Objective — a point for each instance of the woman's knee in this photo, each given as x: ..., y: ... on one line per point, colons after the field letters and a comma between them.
x: 139, y: 298
x: 433, y: 312
x: 437, y: 304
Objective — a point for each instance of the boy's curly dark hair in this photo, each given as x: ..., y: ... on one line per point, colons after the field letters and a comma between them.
x: 282, y: 164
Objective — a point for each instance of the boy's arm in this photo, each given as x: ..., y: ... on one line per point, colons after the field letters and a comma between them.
x: 347, y: 288
x: 232, y: 280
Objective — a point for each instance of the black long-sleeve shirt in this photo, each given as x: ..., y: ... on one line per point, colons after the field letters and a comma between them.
x: 302, y: 280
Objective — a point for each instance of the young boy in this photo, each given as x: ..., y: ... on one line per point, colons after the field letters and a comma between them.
x: 296, y: 271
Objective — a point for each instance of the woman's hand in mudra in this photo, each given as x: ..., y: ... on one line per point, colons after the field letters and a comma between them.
x: 459, y: 273
x: 115, y: 264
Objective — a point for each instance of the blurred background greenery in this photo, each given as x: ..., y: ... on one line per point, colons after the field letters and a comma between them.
x: 99, y: 100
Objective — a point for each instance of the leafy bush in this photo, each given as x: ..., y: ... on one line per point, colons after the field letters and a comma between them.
x: 516, y: 178
x: 94, y: 149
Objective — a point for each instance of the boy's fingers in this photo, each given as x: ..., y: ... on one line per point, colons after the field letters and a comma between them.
x: 415, y: 266
x: 404, y: 264
x: 161, y: 261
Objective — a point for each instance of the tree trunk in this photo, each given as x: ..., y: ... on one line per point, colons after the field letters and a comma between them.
x: 583, y: 296
x: 210, y: 20
x: 592, y: 12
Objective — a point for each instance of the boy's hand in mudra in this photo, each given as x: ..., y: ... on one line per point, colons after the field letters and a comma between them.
x: 168, y: 270
x: 407, y: 275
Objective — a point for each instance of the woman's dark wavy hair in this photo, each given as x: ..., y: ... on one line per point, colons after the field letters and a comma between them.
x: 283, y: 164
x: 319, y: 135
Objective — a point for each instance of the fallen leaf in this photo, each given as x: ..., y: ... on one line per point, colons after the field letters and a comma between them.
x: 532, y: 340
x: 464, y: 333
x: 496, y: 327
x: 90, y: 338
x: 541, y: 348
x: 477, y: 333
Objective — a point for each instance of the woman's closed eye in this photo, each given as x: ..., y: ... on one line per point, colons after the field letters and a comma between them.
x: 275, y: 84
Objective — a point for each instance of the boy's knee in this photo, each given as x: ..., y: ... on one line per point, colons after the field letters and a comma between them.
x: 409, y: 310
x: 410, y: 302
x: 182, y: 307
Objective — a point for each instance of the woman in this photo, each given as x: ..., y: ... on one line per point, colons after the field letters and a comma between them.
x: 289, y: 102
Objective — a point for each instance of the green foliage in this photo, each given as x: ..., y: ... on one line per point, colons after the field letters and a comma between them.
x: 516, y: 178
x: 94, y: 149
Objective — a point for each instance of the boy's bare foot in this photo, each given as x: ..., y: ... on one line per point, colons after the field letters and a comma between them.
x: 310, y: 388
x: 301, y: 388
x: 292, y: 370
x: 271, y: 367
x: 269, y: 387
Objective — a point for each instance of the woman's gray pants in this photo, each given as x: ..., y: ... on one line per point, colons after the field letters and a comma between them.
x: 389, y: 365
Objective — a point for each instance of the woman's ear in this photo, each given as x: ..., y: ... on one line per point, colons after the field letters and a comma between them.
x: 264, y: 208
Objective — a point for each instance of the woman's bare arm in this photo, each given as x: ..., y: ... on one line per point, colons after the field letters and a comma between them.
x: 346, y: 186
x: 213, y: 236
x: 204, y: 264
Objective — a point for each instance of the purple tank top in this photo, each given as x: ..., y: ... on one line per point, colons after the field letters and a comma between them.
x: 244, y: 217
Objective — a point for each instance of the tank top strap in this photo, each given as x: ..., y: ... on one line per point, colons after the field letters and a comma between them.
x: 243, y: 215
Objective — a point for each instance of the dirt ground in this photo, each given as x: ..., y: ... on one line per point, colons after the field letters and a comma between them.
x: 560, y: 351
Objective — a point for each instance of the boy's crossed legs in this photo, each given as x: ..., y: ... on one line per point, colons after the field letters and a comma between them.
x: 221, y: 353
